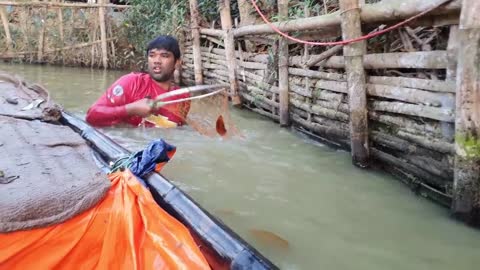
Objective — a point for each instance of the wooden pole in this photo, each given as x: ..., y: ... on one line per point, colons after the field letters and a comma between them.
x: 41, y: 35
x: 6, y: 28
x: 353, y: 55
x: 283, y: 67
x: 103, y: 33
x: 466, y: 193
x: 60, y: 29
x: 452, y: 53
x: 226, y: 19
x: 197, y: 55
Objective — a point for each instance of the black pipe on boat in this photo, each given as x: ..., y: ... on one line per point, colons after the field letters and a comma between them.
x: 222, y: 247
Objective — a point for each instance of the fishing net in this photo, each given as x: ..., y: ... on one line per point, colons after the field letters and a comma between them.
x: 208, y: 112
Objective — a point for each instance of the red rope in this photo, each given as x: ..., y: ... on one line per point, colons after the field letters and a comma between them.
x: 344, y: 42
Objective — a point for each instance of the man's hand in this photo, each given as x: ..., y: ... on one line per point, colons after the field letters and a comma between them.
x: 142, y: 107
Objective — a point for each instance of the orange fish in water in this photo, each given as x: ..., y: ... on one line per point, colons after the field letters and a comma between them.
x: 269, y: 238
x: 220, y: 126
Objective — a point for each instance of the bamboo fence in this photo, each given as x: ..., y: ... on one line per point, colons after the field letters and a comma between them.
x: 390, y: 100
x: 56, y: 32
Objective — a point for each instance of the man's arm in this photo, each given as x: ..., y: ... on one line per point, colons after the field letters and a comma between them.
x: 111, y: 108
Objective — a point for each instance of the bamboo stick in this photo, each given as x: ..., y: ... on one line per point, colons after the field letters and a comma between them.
x: 440, y: 114
x: 41, y: 35
x: 380, y: 12
x: 431, y: 127
x: 103, y: 33
x: 337, y: 106
x: 466, y: 194
x: 416, y: 155
x: 93, y: 49
x: 53, y: 4
x: 6, y: 29
x: 357, y: 92
x: 333, y: 133
x: 61, y: 32
x: 326, y: 54
x: 452, y: 52
x: 402, y: 164
x: 283, y: 82
x: 212, y: 32
x: 226, y: 20
x: 421, y: 60
x: 197, y: 57
x: 319, y: 110
x: 317, y: 74
x: 431, y: 85
x: 412, y: 95
x: 433, y: 144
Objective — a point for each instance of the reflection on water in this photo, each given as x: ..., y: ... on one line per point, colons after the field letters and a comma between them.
x: 301, y: 204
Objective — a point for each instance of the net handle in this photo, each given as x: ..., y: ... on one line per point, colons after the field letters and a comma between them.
x: 189, y: 90
x: 158, y: 104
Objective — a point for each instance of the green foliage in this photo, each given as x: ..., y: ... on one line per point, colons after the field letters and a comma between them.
x: 147, y: 19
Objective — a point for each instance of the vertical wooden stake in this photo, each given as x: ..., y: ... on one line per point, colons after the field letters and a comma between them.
x: 6, y: 28
x: 41, y: 36
x: 60, y: 29
x: 452, y: 53
x: 226, y: 18
x: 283, y: 67
x: 103, y: 33
x: 197, y: 55
x: 93, y: 49
x: 466, y: 193
x: 353, y: 54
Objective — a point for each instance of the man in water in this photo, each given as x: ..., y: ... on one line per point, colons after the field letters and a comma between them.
x: 129, y: 99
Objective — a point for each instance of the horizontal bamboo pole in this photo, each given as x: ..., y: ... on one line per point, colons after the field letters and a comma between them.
x: 212, y: 32
x: 434, y: 128
x: 320, y: 110
x: 431, y: 85
x: 418, y: 156
x: 433, y: 144
x: 404, y: 165
x: 333, y: 133
x: 412, y: 95
x: 55, y: 4
x: 317, y: 74
x: 338, y: 106
x: 383, y: 11
x: 422, y: 60
x: 441, y: 114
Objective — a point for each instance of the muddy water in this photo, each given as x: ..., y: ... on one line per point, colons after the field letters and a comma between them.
x: 300, y: 203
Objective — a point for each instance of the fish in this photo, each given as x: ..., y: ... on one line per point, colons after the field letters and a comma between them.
x: 220, y: 126
x: 270, y: 239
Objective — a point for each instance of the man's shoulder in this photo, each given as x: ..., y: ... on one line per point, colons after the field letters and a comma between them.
x: 132, y: 76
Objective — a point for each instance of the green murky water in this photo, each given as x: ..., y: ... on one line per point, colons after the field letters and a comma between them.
x: 334, y: 216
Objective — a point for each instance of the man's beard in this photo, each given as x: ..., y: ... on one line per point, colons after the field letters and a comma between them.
x: 160, y: 77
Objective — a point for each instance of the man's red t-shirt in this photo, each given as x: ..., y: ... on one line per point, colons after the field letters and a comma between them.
x: 110, y: 107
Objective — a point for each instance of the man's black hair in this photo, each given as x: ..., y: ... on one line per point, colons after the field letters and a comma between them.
x: 165, y: 42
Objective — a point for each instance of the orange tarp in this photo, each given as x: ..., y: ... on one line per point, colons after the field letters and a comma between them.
x: 126, y: 230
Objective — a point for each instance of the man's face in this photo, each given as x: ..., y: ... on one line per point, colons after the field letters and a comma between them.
x: 161, y: 64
